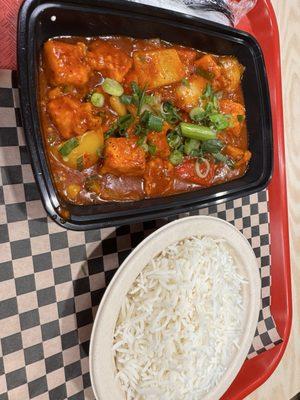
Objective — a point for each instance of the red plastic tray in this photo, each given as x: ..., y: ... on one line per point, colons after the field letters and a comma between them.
x: 261, y: 23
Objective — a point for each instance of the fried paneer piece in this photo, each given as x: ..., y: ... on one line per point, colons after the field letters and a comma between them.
x: 109, y: 60
x: 155, y: 68
x: 159, y: 177
x: 122, y: 156
x: 71, y: 117
x: 66, y: 63
x: 237, y: 112
x: 187, y: 94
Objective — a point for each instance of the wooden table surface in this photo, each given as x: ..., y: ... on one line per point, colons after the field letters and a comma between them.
x: 285, y: 381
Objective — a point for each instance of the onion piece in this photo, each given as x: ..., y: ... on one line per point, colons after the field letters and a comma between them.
x: 197, y: 169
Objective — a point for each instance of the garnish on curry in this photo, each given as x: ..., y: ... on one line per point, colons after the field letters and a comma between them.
x: 126, y: 119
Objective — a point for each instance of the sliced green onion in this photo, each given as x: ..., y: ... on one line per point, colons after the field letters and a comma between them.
x: 79, y: 163
x: 197, y: 114
x: 151, y: 149
x: 208, y: 92
x: 190, y: 145
x: 212, y: 146
x: 185, y: 82
x: 145, y: 117
x: 205, y: 74
x: 176, y: 157
x: 145, y: 147
x: 99, y: 152
x: 126, y: 99
x: 97, y: 99
x: 155, y: 123
x: 224, y: 159
x: 112, y: 87
x: 174, y: 139
x: 241, y: 118
x: 197, y: 132
x: 220, y: 121
x: 170, y: 113
x: 68, y: 146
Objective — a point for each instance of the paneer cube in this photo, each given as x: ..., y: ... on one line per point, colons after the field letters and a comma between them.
x: 159, y: 177
x: 187, y: 94
x: 108, y: 59
x: 123, y: 156
x: 237, y: 112
x: 66, y: 63
x: 71, y: 117
x: 157, y: 68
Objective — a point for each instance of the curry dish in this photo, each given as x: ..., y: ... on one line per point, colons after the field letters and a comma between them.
x: 126, y: 119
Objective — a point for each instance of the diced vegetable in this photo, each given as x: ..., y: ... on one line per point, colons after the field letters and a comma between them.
x: 86, y: 152
x: 97, y: 99
x: 232, y: 72
x: 207, y: 67
x: 112, y: 87
x: 187, y: 97
x: 176, y: 157
x: 158, y: 67
x: 197, y: 132
x: 117, y: 105
x: 68, y: 146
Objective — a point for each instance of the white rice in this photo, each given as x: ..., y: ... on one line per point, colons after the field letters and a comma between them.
x: 180, y: 323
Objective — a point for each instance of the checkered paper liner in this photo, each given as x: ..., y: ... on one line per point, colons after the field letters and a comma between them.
x: 52, y: 280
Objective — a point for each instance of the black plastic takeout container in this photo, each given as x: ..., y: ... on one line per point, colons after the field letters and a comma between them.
x: 40, y: 20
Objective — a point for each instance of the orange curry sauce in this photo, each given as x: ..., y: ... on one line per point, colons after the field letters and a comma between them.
x: 95, y: 157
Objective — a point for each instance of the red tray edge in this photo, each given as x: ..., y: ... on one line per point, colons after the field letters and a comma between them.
x: 278, y: 207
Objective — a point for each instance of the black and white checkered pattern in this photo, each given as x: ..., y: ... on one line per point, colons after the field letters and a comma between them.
x: 52, y: 280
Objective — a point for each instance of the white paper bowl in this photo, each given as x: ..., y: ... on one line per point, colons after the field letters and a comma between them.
x: 102, y: 366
